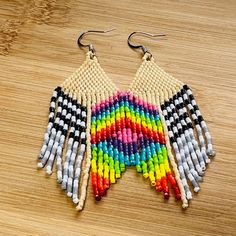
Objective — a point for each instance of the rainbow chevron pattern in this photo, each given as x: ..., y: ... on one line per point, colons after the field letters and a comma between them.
x: 126, y: 131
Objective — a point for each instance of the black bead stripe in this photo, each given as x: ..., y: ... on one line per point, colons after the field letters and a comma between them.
x: 194, y: 108
x: 184, y: 116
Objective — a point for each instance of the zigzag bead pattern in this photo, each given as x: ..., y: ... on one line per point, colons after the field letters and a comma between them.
x: 125, y: 131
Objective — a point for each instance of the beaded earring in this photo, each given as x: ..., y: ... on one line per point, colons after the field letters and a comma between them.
x: 172, y: 105
x: 76, y: 108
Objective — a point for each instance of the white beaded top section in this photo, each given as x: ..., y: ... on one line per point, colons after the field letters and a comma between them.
x: 150, y: 77
x: 90, y: 77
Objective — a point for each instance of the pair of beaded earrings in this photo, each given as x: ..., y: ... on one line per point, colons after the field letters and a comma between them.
x: 155, y: 126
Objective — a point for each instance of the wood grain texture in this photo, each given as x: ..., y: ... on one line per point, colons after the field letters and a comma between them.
x: 40, y: 51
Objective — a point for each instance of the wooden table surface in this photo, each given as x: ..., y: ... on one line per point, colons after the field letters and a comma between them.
x: 38, y: 51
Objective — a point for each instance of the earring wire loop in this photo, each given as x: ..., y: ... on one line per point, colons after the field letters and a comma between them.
x: 89, y: 45
x: 144, y: 49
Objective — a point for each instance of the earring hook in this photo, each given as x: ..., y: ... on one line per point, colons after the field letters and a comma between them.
x: 90, y: 46
x: 144, y: 49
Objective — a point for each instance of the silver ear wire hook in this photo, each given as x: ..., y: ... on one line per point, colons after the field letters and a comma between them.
x: 144, y: 49
x: 90, y: 46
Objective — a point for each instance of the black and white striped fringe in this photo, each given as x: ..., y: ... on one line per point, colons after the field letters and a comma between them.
x: 65, y: 114
x: 192, y: 149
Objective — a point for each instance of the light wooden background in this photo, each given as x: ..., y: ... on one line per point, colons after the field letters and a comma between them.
x: 38, y: 51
